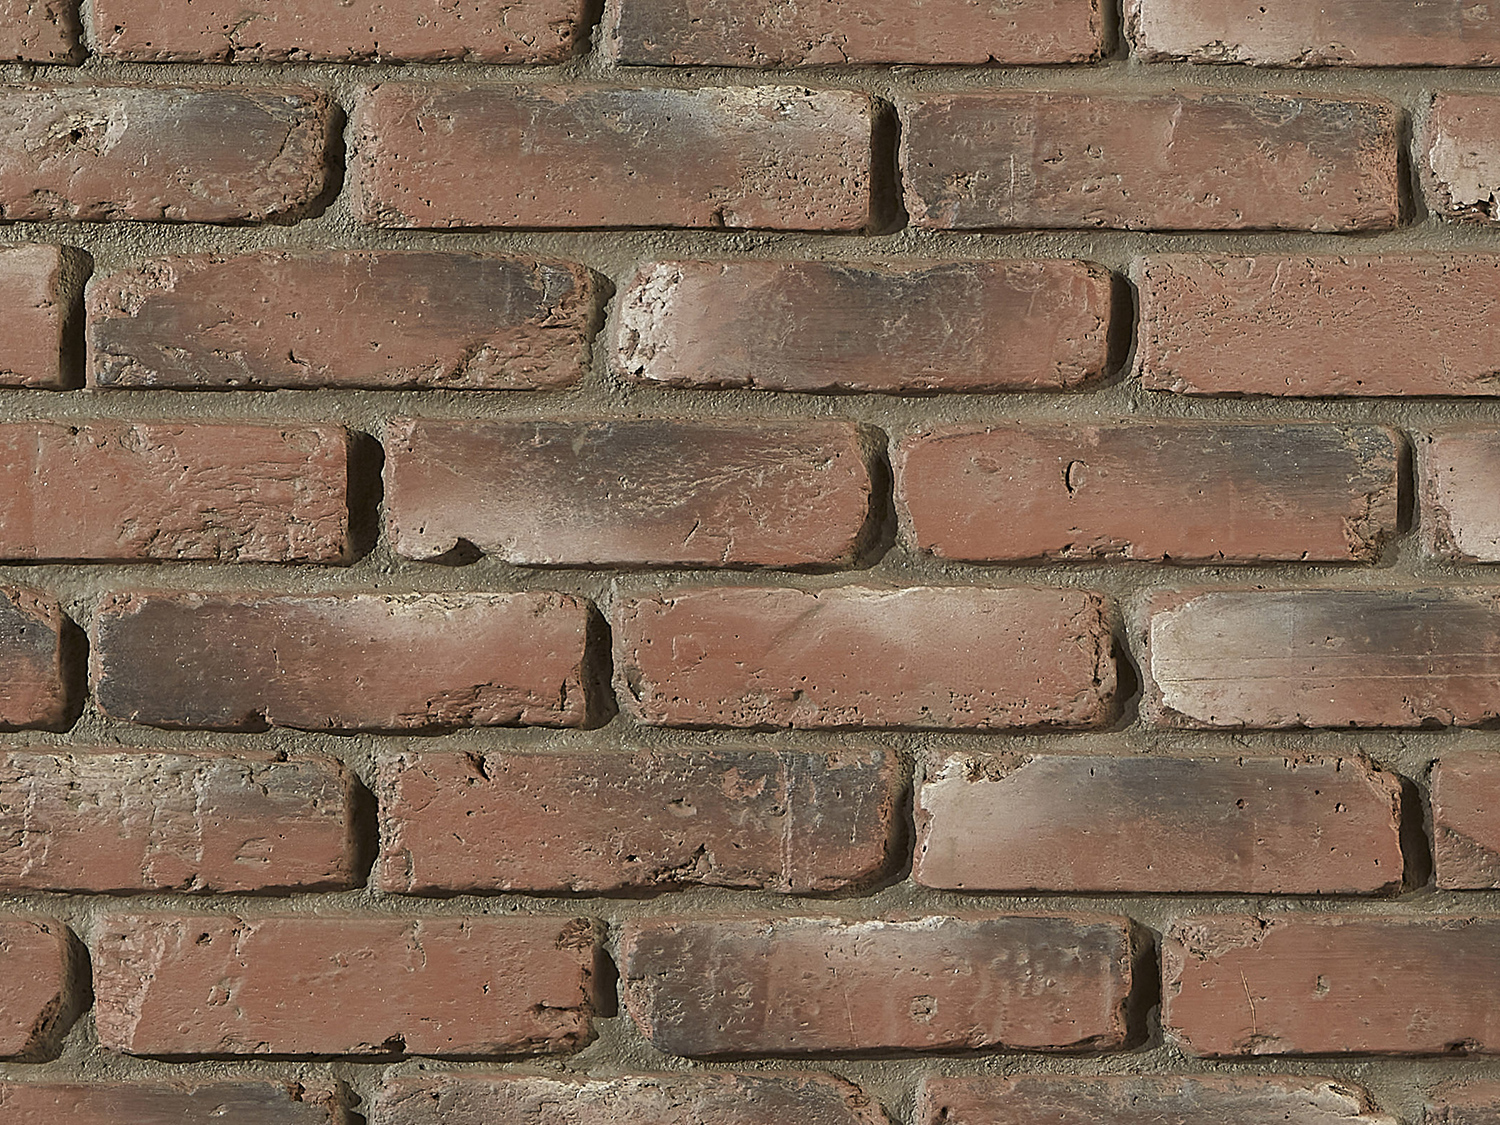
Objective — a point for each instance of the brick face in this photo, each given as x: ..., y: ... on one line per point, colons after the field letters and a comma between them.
x: 1460, y: 509
x: 41, y: 995
x: 1461, y: 159
x: 1466, y: 821
x: 43, y: 31
x: 223, y: 1103
x: 40, y: 289
x: 36, y: 675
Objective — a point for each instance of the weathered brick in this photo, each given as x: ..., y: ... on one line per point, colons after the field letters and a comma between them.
x: 1218, y: 160
x: 1466, y: 820
x: 704, y: 1099
x: 763, y: 33
x: 40, y: 289
x: 40, y: 995
x: 132, y: 491
x: 281, y: 318
x: 95, y: 152
x: 828, y: 326
x: 1463, y: 1102
x: 779, y: 820
x: 1461, y: 157
x: 44, y: 31
x: 480, y: 31
x: 108, y: 821
x: 105, y: 1102
x: 1323, y: 658
x: 634, y: 492
x: 1236, y: 493
x: 36, y: 678
x: 1237, y: 985
x: 793, y: 986
x: 1364, y: 324
x: 215, y: 984
x: 1456, y: 472
x: 1145, y: 825
x: 770, y: 658
x: 342, y: 661
x: 550, y: 156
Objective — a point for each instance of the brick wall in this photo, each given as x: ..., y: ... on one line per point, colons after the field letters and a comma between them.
x: 738, y: 561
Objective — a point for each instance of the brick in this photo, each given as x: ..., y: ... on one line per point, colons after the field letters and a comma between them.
x: 1158, y: 825
x: 796, y: 986
x: 44, y: 32
x: 1456, y: 471
x: 1463, y: 1102
x: 1461, y: 157
x: 36, y: 676
x: 592, y: 821
x: 828, y: 326
x: 1235, y: 985
x: 1236, y: 493
x: 1323, y: 658
x: 175, y: 985
x: 105, y: 821
x: 1189, y: 1099
x: 763, y: 33
x: 40, y: 996
x: 94, y: 152
x: 381, y: 662
x: 106, y: 1102
x: 134, y: 491
x: 1190, y: 161
x: 861, y: 657
x: 40, y: 291
x: 704, y: 1099
x: 479, y: 31
x: 777, y: 157
x: 1466, y: 821
x: 654, y: 492
x: 377, y: 319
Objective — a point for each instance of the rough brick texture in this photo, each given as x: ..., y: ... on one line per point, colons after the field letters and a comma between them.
x: 595, y: 821
x: 166, y: 1103
x: 215, y: 984
x: 342, y: 661
x: 1457, y: 470
x: 535, y: 156
x: 862, y: 657
x: 1150, y: 162
x: 1466, y: 820
x: 794, y: 986
x: 1461, y: 161
x: 1237, y: 493
x: 822, y: 326
x: 1087, y: 823
x: 342, y: 319
x: 1463, y: 1103
x: 40, y: 996
x: 40, y: 289
x: 44, y: 31
x: 36, y: 674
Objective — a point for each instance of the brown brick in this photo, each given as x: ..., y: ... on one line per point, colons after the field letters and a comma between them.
x: 1236, y: 985
x: 763, y: 33
x: 593, y: 821
x: 1157, y: 825
x: 376, y: 319
x: 796, y: 986
x: 214, y: 984
x: 1229, y: 493
x: 40, y: 996
x: 1461, y: 157
x: 828, y: 326
x: 480, y: 31
x: 104, y: 1102
x: 40, y: 288
x: 769, y: 658
x: 1387, y: 324
x: 631, y: 491
x: 1466, y: 820
x: 107, y: 821
x: 95, y: 152
x: 1212, y: 160
x: 1323, y: 658
x: 36, y: 678
x: 44, y: 31
x: 549, y: 156
x: 1463, y: 1102
x: 703, y: 1099
x: 342, y: 661
x: 1456, y: 471
x: 174, y: 490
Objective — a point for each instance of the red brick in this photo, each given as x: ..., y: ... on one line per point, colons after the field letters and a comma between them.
x: 595, y: 821
x: 376, y: 319
x: 106, y: 821
x: 551, y: 156
x: 214, y: 984
x: 44, y: 31
x: 1236, y: 493
x: 36, y: 678
x: 703, y: 1099
x: 1212, y: 160
x: 635, y: 491
x: 1157, y: 825
x: 826, y: 326
x: 1456, y: 472
x: 925, y: 658
x: 342, y: 661
x: 795, y: 986
x: 1461, y: 157
x: 40, y: 996
x: 1236, y: 985
x: 40, y: 290
x: 105, y: 1102
x: 1324, y: 658
x: 174, y: 490
x: 480, y: 31
x: 1463, y: 1102
x: 95, y: 152
x: 1466, y: 820
x: 1387, y: 324
x: 763, y: 33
